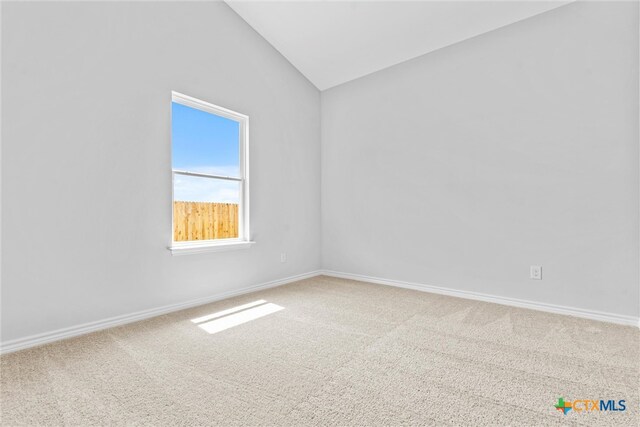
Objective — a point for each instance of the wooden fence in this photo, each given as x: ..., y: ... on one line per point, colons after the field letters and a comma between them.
x: 204, y: 221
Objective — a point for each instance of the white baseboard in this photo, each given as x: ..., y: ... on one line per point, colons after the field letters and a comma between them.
x: 550, y: 308
x: 60, y: 334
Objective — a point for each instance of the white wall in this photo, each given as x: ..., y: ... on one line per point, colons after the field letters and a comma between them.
x: 458, y: 169
x: 86, y: 188
x: 465, y: 166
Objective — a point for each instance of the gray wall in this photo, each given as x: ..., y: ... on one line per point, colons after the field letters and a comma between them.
x: 86, y: 188
x: 465, y: 166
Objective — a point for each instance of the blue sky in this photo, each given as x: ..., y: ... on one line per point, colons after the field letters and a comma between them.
x: 206, y: 143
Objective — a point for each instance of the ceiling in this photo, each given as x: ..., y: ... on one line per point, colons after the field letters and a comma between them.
x: 333, y: 42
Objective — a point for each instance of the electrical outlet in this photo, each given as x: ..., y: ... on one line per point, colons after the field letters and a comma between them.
x: 535, y: 272
x: 283, y: 257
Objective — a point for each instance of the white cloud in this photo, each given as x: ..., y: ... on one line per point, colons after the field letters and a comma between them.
x: 196, y: 189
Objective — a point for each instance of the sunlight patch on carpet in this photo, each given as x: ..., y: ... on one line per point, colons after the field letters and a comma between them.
x: 236, y: 316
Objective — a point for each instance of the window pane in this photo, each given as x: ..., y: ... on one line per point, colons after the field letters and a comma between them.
x: 205, y: 208
x: 204, y: 142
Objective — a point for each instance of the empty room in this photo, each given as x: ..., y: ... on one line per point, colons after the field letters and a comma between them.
x: 320, y: 213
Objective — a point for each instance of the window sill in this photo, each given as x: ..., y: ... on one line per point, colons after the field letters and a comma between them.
x: 200, y: 247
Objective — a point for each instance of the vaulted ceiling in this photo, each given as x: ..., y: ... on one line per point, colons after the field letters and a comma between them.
x: 334, y: 42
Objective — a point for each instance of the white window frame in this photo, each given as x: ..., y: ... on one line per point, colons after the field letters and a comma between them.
x: 244, y: 236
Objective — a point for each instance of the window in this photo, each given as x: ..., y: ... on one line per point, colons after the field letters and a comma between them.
x: 209, y: 157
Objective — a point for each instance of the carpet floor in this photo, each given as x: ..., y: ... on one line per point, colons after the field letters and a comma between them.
x: 326, y: 351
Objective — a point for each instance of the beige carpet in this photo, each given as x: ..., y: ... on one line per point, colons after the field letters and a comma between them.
x: 339, y: 353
